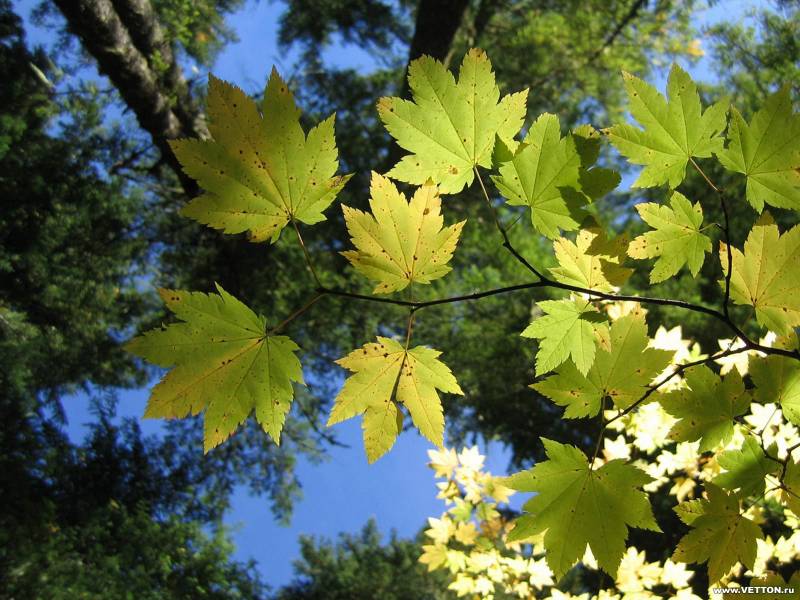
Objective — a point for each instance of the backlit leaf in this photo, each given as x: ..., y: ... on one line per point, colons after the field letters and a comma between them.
x: 720, y: 536
x: 401, y: 242
x: 384, y: 374
x: 676, y: 239
x: 591, y: 261
x: 767, y: 151
x: 576, y: 506
x: 223, y: 362
x: 707, y: 407
x: 674, y: 129
x: 621, y: 373
x: 767, y: 275
x: 551, y: 175
x: 259, y: 170
x: 450, y: 127
x: 790, y: 495
x: 746, y: 468
x: 777, y: 379
x: 567, y: 329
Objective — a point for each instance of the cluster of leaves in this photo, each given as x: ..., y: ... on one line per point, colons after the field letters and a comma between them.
x: 488, y: 557
x: 261, y: 172
x: 700, y: 428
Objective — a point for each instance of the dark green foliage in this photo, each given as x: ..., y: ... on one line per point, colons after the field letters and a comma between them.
x: 370, y: 24
x: 68, y: 259
x: 120, y: 516
x: 359, y: 566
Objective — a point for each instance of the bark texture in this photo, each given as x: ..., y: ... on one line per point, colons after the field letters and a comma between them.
x: 104, y: 35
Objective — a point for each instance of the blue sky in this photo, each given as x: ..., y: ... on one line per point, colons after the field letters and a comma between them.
x: 343, y: 492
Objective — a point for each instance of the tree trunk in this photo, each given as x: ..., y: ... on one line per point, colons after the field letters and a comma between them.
x: 106, y: 38
x: 436, y: 25
x: 145, y: 30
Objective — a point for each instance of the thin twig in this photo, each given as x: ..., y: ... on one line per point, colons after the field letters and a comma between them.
x: 726, y: 232
x: 679, y: 369
x: 506, y: 241
x: 550, y: 283
x: 328, y: 437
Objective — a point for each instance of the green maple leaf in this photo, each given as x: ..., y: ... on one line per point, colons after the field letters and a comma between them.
x: 567, y: 329
x: 622, y: 373
x: 551, y: 175
x: 259, y: 173
x: 689, y: 510
x: 401, y: 242
x: 575, y: 505
x: 768, y: 152
x: 746, y: 468
x: 384, y: 373
x: 767, y: 582
x: 767, y: 275
x: 675, y: 129
x: 706, y: 409
x: 677, y: 239
x: 790, y: 494
x: 777, y: 379
x: 450, y: 127
x: 722, y: 536
x: 223, y: 362
x: 591, y: 261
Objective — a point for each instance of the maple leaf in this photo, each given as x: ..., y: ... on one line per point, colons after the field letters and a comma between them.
x: 433, y: 555
x: 677, y: 239
x: 746, y: 468
x: 575, y: 506
x: 450, y: 127
x: 765, y: 587
x: 443, y: 462
x: 720, y: 535
x: 401, y: 242
x: 767, y: 151
x: 777, y: 379
x: 223, y: 362
x: 550, y: 174
x: 259, y: 173
x: 689, y: 511
x: 385, y: 373
x: 621, y: 373
x: 567, y: 329
x: 592, y: 261
x: 707, y: 407
x: 675, y: 129
x: 790, y: 494
x: 767, y: 275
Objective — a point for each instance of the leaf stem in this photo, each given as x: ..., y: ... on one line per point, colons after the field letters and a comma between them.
x: 409, y: 328
x: 726, y: 233
x: 295, y: 314
x: 603, y: 426
x: 506, y: 241
x: 306, y: 254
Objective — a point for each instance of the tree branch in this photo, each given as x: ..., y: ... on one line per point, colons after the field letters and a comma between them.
x: 632, y: 13
x: 145, y: 30
x: 105, y: 37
